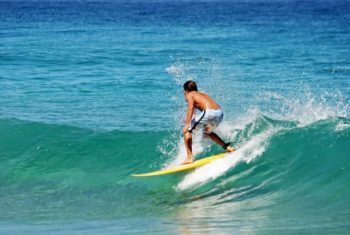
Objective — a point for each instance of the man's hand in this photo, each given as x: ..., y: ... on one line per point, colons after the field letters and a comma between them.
x: 185, y: 130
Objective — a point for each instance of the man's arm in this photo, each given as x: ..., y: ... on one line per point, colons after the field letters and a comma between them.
x: 190, y: 109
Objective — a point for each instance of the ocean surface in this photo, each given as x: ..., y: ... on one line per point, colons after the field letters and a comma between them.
x: 91, y: 92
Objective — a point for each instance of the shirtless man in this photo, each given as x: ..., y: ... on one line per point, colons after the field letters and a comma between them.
x: 209, y: 118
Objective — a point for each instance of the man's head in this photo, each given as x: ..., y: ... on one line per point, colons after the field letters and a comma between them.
x: 190, y: 86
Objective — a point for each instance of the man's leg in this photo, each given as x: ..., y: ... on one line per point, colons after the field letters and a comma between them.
x: 188, y: 144
x: 219, y: 141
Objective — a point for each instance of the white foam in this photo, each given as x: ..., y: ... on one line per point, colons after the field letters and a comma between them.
x: 247, y: 153
x: 341, y: 126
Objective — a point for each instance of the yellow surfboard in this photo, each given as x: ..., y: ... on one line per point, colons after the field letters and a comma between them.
x: 186, y: 167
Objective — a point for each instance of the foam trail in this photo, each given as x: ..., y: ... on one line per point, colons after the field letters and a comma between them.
x: 247, y: 153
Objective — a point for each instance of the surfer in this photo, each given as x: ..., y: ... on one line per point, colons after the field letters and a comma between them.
x: 209, y: 118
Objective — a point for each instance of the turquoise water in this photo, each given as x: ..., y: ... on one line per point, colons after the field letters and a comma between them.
x: 91, y: 92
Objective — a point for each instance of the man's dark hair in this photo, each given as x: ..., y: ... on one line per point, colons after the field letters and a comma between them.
x: 190, y: 86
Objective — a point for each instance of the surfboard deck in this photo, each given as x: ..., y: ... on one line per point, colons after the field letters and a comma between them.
x: 185, y: 167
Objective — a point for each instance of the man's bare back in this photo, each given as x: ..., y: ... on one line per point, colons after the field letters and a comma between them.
x: 202, y: 101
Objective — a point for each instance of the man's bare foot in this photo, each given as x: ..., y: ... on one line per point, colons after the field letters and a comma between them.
x: 230, y: 149
x: 187, y: 161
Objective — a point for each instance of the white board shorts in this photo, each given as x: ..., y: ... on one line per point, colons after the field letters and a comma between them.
x: 207, y: 120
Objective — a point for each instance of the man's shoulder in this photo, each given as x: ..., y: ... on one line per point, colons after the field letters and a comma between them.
x: 196, y: 93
